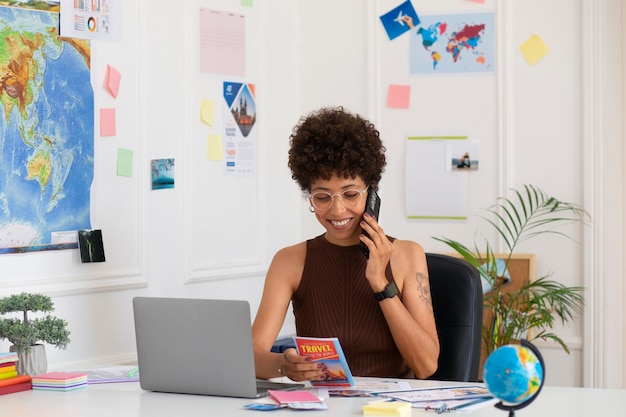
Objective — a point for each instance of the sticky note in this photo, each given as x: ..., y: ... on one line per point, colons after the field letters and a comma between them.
x: 107, y: 122
x: 387, y: 408
x: 216, y: 150
x: 298, y: 396
x: 533, y: 49
x: 124, y: 162
x: 112, y: 80
x: 207, y: 112
x: 398, y: 96
x: 246, y: 3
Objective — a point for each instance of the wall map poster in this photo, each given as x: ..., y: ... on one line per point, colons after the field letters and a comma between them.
x: 47, y: 133
x: 454, y: 43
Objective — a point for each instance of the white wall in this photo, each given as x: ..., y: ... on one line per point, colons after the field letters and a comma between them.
x: 550, y: 125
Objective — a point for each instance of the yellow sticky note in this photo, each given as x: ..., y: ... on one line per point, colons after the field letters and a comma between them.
x: 216, y: 151
x: 398, y: 96
x: 533, y: 49
x: 124, y: 162
x: 107, y: 122
x: 387, y: 408
x: 207, y: 110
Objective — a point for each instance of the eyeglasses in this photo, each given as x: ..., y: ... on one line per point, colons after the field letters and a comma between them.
x: 323, y: 200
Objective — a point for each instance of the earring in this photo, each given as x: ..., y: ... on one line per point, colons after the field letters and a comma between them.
x: 312, y: 209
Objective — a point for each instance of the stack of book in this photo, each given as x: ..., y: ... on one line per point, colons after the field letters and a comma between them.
x: 10, y: 381
x: 60, y: 381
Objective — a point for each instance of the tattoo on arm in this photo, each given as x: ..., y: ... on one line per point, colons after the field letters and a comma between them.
x: 423, y: 287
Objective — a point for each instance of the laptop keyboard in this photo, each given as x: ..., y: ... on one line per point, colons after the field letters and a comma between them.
x: 263, y: 385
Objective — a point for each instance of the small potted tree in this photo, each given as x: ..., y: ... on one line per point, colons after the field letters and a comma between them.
x: 537, y: 304
x: 26, y: 333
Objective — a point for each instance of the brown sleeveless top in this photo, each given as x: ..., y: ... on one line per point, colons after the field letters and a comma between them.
x: 334, y: 299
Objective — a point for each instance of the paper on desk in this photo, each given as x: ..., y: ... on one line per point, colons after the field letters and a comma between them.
x: 435, y: 394
x: 362, y: 389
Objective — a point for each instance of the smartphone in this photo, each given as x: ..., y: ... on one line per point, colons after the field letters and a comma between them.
x: 372, y: 207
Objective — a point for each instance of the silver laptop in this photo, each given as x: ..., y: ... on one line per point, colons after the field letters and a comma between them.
x: 197, y: 346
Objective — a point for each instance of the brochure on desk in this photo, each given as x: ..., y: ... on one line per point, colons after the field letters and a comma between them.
x: 329, y: 352
x: 431, y: 394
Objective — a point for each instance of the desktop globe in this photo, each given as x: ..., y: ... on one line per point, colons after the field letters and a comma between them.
x: 514, y: 374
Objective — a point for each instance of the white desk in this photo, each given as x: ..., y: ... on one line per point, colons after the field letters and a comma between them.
x: 128, y: 399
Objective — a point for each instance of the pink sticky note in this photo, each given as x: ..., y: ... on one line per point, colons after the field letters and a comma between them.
x: 477, y: 1
x: 113, y: 78
x: 298, y: 396
x: 107, y: 122
x: 398, y: 96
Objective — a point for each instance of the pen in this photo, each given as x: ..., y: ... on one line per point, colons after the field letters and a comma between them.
x: 476, y: 401
x: 438, y: 407
x: 132, y: 372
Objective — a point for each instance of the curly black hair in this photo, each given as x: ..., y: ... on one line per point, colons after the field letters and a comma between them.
x: 332, y: 141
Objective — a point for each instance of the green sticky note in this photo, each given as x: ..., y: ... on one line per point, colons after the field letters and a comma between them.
x: 124, y: 162
x: 246, y: 3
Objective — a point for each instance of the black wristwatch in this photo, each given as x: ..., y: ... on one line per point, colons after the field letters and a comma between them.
x: 390, y: 291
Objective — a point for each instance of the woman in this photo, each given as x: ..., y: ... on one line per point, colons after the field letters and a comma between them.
x: 336, y: 157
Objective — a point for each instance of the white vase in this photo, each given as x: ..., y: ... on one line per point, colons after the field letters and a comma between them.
x: 33, y: 362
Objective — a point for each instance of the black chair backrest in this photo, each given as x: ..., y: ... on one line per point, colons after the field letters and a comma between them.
x: 457, y: 298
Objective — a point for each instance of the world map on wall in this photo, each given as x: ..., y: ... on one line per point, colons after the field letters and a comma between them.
x: 46, y: 133
x: 453, y: 44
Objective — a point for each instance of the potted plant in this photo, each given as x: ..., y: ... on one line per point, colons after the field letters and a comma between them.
x: 536, y: 304
x: 26, y: 333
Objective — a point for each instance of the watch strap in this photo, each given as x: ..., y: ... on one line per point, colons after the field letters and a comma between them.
x: 390, y: 291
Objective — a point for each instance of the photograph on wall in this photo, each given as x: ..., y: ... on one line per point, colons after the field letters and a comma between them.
x: 399, y: 20
x: 91, y: 246
x: 453, y: 43
x: 462, y: 155
x: 47, y: 152
x: 162, y: 173
x: 240, y: 141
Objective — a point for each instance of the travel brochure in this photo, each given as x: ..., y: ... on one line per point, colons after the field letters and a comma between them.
x: 328, y: 352
x: 466, y: 397
x: 459, y: 392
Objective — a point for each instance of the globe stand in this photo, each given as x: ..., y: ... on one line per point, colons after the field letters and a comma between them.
x: 513, y: 408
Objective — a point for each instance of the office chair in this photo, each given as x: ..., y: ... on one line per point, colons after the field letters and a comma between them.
x: 457, y: 299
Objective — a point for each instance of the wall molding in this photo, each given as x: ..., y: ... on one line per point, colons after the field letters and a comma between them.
x: 603, y: 181
x: 198, y: 269
x: 504, y: 89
